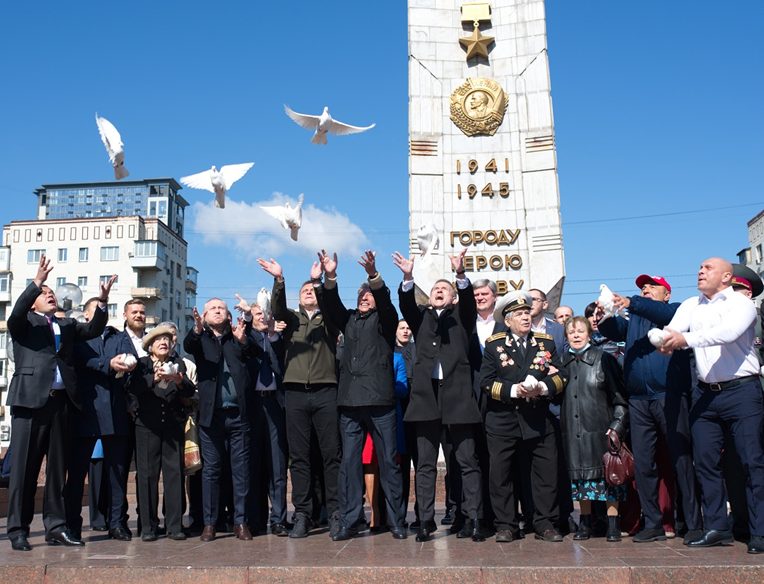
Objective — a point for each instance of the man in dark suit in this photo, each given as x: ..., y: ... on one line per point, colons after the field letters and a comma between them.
x: 221, y: 352
x: 521, y: 373
x: 103, y: 415
x: 441, y: 392
x: 43, y: 387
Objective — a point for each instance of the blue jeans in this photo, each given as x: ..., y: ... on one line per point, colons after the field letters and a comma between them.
x: 380, y: 422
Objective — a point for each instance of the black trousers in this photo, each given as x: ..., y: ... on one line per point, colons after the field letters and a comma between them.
x: 38, y: 433
x: 666, y: 416
x: 306, y: 409
x: 269, y: 433
x: 380, y: 422
x: 157, y: 452
x: 227, y: 439
x: 115, y: 470
x: 463, y: 442
x: 739, y: 412
x: 542, y: 453
x: 98, y: 495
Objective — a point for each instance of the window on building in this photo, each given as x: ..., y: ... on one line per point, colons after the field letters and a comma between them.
x: 29, y: 281
x: 109, y: 253
x: 758, y: 254
x: 112, y: 310
x: 34, y: 255
x: 83, y: 254
x: 5, y: 282
x: 3, y: 341
x: 2, y: 367
x: 60, y: 282
x: 82, y: 282
x: 103, y: 280
x: 63, y: 254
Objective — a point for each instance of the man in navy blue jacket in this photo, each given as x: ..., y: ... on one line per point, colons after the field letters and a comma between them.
x: 104, y: 415
x: 658, y: 386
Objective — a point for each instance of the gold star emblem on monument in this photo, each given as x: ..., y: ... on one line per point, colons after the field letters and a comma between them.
x: 476, y: 44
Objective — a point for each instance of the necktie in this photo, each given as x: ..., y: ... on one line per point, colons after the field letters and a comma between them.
x: 56, y: 336
x: 266, y: 373
x: 521, y: 347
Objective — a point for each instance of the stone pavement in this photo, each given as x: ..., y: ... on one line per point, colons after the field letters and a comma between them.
x: 370, y: 559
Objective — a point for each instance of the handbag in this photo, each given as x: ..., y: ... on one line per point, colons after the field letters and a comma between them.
x: 618, y: 461
x: 192, y: 457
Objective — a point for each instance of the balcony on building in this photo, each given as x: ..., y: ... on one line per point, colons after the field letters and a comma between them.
x: 149, y: 254
x: 192, y: 275
x: 3, y: 326
x: 152, y: 320
x: 5, y: 259
x: 5, y: 296
x: 146, y: 293
x: 3, y: 381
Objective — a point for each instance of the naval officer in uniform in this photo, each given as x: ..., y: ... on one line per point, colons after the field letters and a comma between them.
x: 521, y: 374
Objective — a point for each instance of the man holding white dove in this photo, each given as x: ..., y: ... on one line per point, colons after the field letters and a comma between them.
x: 521, y: 373
x: 658, y: 388
x: 719, y: 325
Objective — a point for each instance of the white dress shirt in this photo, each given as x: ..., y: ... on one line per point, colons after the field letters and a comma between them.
x: 720, y: 330
x: 137, y: 342
x: 484, y: 328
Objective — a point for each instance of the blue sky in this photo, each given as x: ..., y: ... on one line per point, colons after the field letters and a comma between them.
x: 657, y: 111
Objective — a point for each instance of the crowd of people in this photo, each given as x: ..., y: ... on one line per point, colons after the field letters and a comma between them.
x: 346, y: 399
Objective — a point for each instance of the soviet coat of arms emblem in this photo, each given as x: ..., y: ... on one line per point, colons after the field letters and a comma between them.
x: 478, y: 106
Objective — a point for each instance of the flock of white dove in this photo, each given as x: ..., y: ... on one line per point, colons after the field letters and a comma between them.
x: 220, y: 181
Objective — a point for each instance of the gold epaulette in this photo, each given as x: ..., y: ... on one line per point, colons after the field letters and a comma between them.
x: 495, y: 337
x: 543, y: 336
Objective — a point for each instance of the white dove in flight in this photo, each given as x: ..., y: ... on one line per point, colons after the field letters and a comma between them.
x: 217, y: 181
x: 112, y: 141
x: 290, y: 217
x: 427, y: 238
x: 323, y: 124
x: 264, y: 302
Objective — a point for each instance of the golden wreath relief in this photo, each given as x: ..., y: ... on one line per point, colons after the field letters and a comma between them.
x: 478, y: 106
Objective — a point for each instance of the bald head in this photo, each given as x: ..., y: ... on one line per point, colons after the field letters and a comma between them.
x: 563, y: 313
x: 714, y: 275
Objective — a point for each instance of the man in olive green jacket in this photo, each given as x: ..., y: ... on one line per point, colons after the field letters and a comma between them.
x: 310, y: 383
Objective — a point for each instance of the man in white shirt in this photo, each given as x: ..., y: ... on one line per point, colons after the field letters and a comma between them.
x: 719, y: 326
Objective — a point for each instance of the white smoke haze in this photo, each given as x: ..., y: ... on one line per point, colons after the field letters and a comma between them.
x: 250, y: 231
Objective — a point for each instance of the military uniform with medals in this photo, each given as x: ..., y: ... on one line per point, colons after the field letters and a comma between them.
x: 513, y: 424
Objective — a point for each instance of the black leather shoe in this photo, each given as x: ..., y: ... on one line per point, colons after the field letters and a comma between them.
x: 648, y: 535
x: 468, y: 527
x: 692, y: 535
x: 21, y: 544
x: 177, y: 536
x: 426, y: 529
x: 551, y: 535
x: 99, y: 528
x: 506, y: 536
x: 755, y: 544
x: 344, y: 533
x: 148, y: 536
x: 448, y: 518
x: 399, y: 532
x: 478, y: 531
x: 711, y: 538
x: 279, y: 529
x: 63, y: 537
x: 120, y: 533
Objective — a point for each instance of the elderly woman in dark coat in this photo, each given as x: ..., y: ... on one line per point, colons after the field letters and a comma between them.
x: 159, y: 383
x: 593, y: 412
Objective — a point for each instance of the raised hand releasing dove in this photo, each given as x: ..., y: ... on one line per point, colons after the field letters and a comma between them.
x: 427, y: 238
x: 323, y: 124
x: 290, y: 217
x: 607, y: 303
x: 264, y: 302
x: 217, y: 181
x: 112, y: 141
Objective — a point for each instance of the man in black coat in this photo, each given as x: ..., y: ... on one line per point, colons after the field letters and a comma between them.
x: 103, y: 415
x: 221, y: 353
x: 520, y: 374
x: 441, y: 392
x: 366, y: 392
x: 43, y: 387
